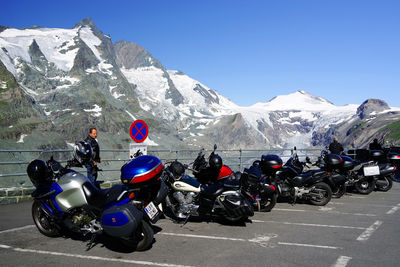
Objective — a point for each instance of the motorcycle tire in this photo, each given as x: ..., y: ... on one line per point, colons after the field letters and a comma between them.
x: 339, y: 192
x: 365, y: 187
x: 142, y: 238
x: 44, y: 224
x: 238, y: 219
x: 266, y: 205
x: 325, y: 198
x: 386, y: 187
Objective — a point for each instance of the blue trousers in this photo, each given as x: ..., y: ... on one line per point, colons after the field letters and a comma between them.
x: 91, y: 173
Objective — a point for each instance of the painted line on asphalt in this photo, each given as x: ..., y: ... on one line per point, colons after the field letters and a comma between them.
x: 312, y: 224
x: 355, y: 197
x: 307, y: 245
x: 328, y: 211
x: 288, y: 209
x: 205, y: 236
x: 394, y: 209
x: 369, y: 231
x: 86, y: 257
x: 260, y: 240
x: 17, y: 229
x: 342, y: 261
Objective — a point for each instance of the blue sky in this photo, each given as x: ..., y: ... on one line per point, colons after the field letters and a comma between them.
x: 250, y: 51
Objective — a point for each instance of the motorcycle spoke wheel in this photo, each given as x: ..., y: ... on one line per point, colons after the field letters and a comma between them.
x: 43, y: 222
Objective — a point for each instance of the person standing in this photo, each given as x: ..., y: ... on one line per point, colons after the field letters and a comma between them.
x: 335, y: 147
x: 375, y: 145
x: 92, y: 167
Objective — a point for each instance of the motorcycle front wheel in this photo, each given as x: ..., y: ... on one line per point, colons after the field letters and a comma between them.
x: 321, y: 194
x: 364, y: 187
x: 43, y: 222
x: 339, y: 191
x: 141, y: 239
x: 267, y: 204
x: 387, y: 186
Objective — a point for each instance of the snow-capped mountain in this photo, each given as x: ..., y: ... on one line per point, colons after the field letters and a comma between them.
x: 76, y: 78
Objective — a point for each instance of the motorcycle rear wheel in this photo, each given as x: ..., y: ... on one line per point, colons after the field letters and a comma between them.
x: 42, y: 221
x: 325, y: 194
x: 364, y: 187
x: 266, y: 205
x: 388, y: 186
x: 141, y: 239
x: 339, y: 192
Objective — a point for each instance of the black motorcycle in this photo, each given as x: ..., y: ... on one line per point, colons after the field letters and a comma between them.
x: 187, y: 198
x: 293, y: 183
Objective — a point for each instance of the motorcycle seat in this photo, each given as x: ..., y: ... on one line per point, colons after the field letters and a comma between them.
x: 102, y: 197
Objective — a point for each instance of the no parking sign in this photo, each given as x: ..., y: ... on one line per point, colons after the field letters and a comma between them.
x: 138, y: 132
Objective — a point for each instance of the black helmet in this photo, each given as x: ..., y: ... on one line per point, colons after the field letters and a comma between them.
x: 215, y: 162
x: 256, y: 163
x: 177, y: 169
x: 83, y: 152
x: 38, y: 172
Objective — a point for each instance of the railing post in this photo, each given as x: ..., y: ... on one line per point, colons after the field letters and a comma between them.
x: 240, y: 159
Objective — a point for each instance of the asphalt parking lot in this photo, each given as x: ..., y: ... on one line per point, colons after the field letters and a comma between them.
x: 355, y: 230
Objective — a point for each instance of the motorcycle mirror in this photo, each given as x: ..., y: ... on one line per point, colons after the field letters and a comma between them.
x: 215, y: 147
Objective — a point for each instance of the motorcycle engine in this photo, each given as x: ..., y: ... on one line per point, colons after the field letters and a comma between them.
x: 81, y: 219
x: 185, y: 202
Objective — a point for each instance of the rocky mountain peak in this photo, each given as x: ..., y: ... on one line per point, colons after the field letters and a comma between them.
x: 371, y: 105
x: 85, y: 22
x: 131, y: 55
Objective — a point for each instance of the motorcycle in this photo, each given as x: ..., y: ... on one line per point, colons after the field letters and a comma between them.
x: 250, y: 183
x: 142, y: 175
x: 309, y: 185
x: 187, y: 197
x: 66, y: 201
x: 263, y: 195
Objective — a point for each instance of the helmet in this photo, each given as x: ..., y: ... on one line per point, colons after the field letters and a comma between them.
x: 256, y: 163
x: 215, y: 162
x: 38, y: 172
x: 83, y: 152
x: 177, y: 169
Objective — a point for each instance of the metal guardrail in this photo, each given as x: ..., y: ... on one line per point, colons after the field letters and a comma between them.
x: 230, y: 157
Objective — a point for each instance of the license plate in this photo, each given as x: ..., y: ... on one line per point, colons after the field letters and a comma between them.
x: 151, y: 210
x: 371, y: 171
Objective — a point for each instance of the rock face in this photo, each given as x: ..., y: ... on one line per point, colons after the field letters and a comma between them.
x: 57, y: 83
x: 371, y: 106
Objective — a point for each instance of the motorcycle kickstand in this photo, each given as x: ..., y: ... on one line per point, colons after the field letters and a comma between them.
x: 186, y: 220
x: 91, y: 243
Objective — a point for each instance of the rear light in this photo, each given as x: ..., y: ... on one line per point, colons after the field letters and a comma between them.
x: 394, y: 168
x: 131, y: 195
x: 273, y: 187
x: 277, y: 166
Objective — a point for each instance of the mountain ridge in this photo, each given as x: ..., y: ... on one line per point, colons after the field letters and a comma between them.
x: 78, y: 77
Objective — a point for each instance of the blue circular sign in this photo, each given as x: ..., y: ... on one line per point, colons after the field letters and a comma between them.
x: 139, y: 131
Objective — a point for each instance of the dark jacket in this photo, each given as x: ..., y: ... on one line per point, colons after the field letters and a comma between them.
x: 336, y: 148
x: 375, y: 146
x: 95, y: 147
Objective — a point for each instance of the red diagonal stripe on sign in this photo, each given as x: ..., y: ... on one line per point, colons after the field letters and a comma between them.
x: 139, y: 131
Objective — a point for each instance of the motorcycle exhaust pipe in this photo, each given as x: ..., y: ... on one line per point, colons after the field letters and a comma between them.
x: 382, y: 182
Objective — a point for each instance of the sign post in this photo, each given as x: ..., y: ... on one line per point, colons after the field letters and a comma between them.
x: 138, y: 132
